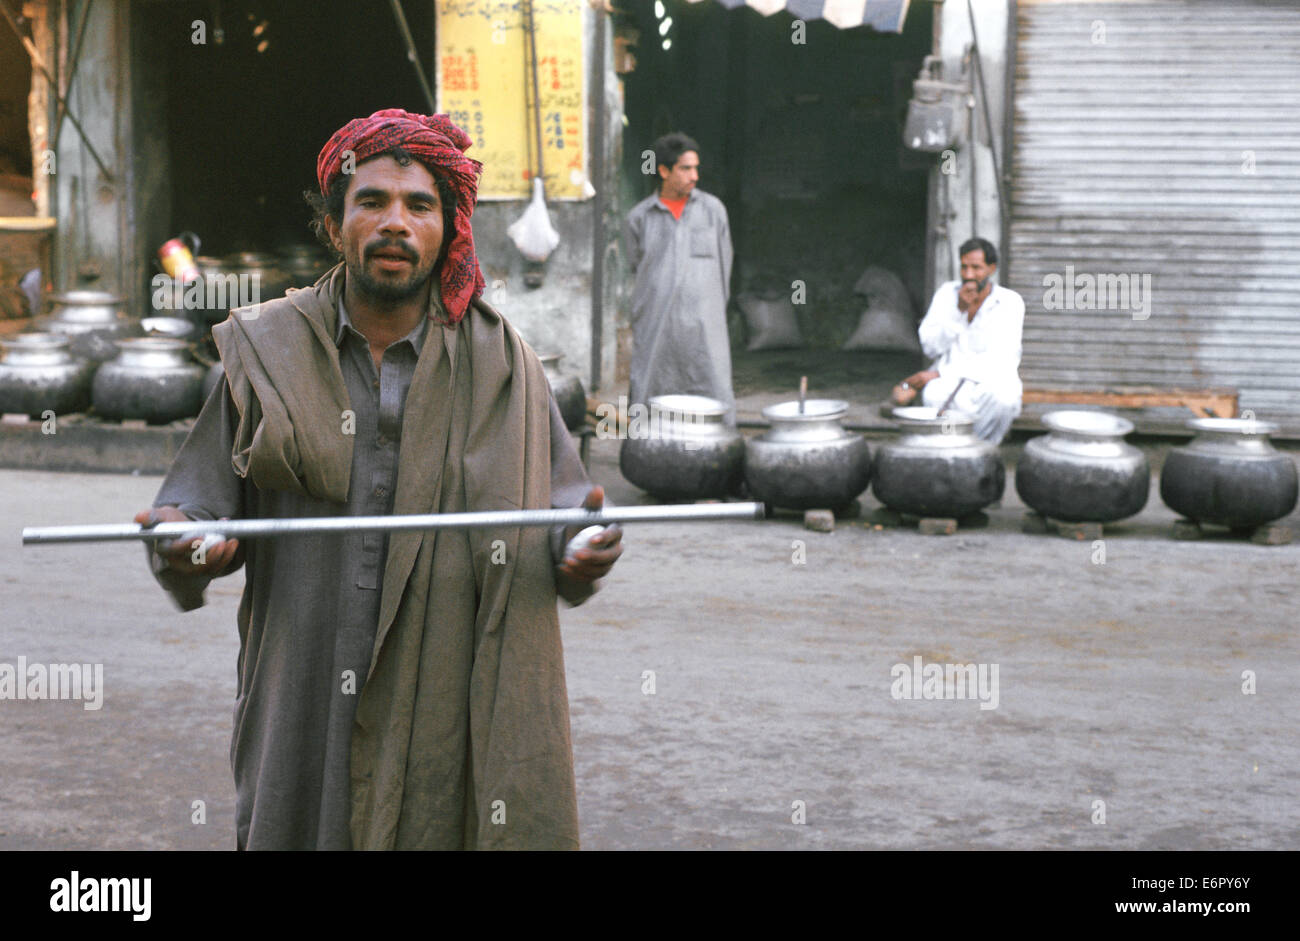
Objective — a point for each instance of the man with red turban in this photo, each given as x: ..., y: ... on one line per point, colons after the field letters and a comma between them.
x: 403, y: 691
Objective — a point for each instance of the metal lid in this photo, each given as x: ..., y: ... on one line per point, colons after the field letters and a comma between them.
x: 813, y: 410
x: 918, y: 416
x: 85, y: 298
x: 35, y: 341
x: 688, y: 404
x: 168, y: 327
x: 151, y: 344
x: 1084, y: 422
x: 1239, y: 426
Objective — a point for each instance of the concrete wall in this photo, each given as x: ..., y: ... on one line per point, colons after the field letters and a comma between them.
x: 951, y: 178
x: 557, y: 317
x: 95, y: 236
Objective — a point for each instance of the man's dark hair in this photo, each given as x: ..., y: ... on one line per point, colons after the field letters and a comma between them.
x: 331, y: 204
x: 669, y: 149
x: 979, y: 244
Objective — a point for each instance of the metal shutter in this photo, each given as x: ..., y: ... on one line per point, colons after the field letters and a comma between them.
x: 1132, y: 156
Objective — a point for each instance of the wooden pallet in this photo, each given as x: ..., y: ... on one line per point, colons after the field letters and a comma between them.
x: 1220, y: 402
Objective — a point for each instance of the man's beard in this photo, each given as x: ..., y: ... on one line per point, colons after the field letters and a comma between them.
x: 979, y: 285
x: 388, y: 290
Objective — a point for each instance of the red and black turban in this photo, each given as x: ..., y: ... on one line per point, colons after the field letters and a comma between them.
x: 440, y: 146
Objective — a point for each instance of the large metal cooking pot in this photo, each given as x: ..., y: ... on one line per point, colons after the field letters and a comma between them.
x: 1082, y: 470
x: 937, y: 467
x: 304, y: 264
x: 683, y: 449
x: 91, y: 320
x: 806, y: 460
x: 151, y: 379
x: 1229, y: 475
x: 39, y: 374
x: 569, y: 394
x: 264, y: 276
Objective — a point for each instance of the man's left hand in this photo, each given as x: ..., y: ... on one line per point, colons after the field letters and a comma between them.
x: 595, y: 561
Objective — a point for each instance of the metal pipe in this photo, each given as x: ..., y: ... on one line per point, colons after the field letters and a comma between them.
x: 411, y: 54
x: 491, y: 519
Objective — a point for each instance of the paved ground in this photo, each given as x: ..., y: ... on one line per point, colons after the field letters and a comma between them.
x: 1118, y: 682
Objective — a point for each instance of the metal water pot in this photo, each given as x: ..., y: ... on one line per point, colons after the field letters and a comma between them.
x: 569, y: 394
x: 683, y: 449
x: 937, y: 467
x: 806, y: 460
x: 151, y: 379
x: 1083, y: 470
x: 91, y: 320
x: 39, y: 374
x: 211, y: 378
x: 1229, y: 475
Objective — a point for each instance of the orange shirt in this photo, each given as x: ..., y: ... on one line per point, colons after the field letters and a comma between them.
x: 675, y: 206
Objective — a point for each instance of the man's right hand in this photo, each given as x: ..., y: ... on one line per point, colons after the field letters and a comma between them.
x: 179, y: 553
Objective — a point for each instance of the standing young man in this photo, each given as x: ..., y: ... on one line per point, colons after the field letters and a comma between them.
x: 679, y: 246
x: 403, y: 691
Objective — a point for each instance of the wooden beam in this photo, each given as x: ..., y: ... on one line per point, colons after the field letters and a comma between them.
x: 1217, y: 401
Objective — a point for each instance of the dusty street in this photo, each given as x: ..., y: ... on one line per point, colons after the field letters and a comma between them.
x: 1119, y: 681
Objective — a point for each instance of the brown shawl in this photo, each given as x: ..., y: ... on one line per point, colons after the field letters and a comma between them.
x: 461, y: 736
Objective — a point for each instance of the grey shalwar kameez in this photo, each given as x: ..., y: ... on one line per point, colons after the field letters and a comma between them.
x: 679, y: 302
x: 299, y: 683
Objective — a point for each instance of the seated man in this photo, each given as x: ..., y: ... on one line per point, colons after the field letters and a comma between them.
x: 972, y: 334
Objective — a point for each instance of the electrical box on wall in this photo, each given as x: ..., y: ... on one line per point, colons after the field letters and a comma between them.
x: 937, y: 116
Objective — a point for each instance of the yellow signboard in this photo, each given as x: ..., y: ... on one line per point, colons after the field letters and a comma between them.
x: 484, y: 85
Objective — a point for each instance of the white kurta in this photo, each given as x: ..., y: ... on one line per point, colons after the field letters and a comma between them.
x: 984, y: 351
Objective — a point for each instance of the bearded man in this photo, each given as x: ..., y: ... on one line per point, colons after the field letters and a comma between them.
x: 403, y: 691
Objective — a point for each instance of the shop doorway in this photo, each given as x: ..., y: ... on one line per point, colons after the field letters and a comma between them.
x: 227, y: 130
x: 800, y: 130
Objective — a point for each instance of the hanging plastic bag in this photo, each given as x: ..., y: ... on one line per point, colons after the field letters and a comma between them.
x: 532, y: 232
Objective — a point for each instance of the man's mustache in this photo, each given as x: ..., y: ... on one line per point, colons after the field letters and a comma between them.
x: 979, y: 285
x: 390, y: 245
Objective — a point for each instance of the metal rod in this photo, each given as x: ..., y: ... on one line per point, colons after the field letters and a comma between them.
x: 955, y: 390
x: 537, y: 101
x: 411, y: 54
x: 72, y: 70
x: 492, y: 519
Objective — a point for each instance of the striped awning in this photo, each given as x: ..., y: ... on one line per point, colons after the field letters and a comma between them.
x: 885, y: 16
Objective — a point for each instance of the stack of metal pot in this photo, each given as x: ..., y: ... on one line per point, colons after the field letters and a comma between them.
x: 1230, y: 475
x: 38, y: 374
x: 806, y: 460
x: 1083, y: 470
x: 937, y: 467
x: 91, y: 320
x: 683, y: 449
